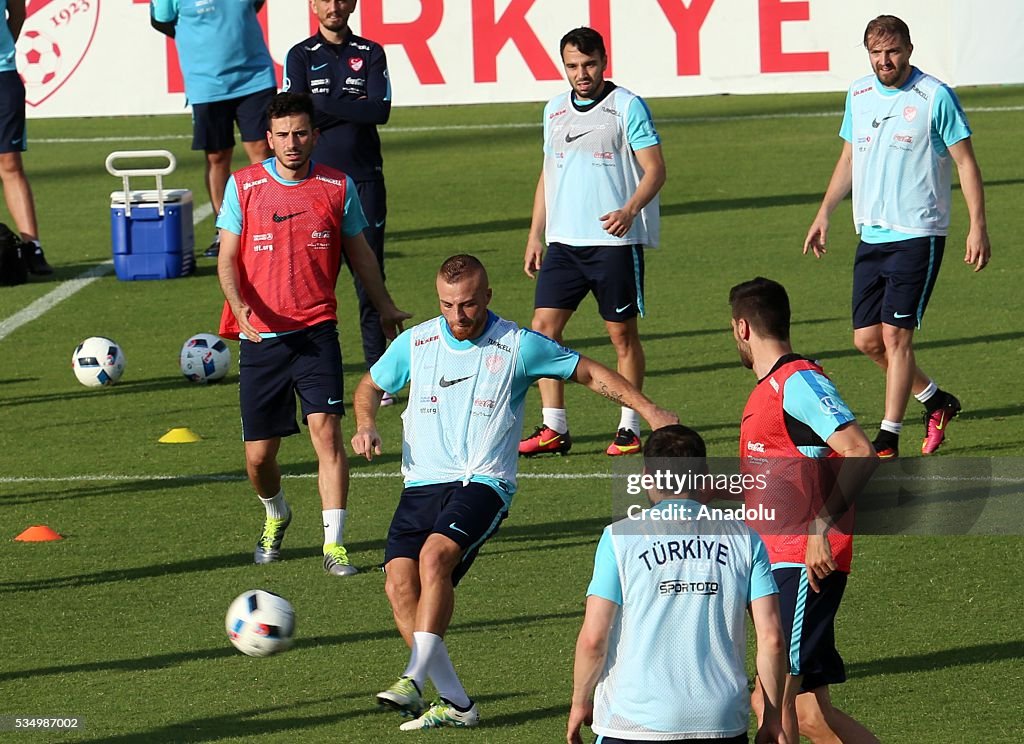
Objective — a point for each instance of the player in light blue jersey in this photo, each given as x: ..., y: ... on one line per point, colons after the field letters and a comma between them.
x: 596, y: 209
x: 661, y: 654
x: 902, y: 130
x: 13, y: 141
x: 229, y: 77
x: 468, y: 372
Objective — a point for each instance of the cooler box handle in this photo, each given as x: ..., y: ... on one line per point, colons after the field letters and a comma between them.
x: 158, y: 173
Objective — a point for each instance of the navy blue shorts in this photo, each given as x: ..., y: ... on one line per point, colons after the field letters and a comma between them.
x: 892, y: 282
x: 12, y: 113
x: 614, y: 273
x: 738, y: 739
x: 270, y: 373
x: 213, y: 124
x: 808, y: 624
x: 468, y: 514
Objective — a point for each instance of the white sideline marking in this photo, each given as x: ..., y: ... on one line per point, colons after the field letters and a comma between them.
x: 510, y: 125
x: 67, y: 288
x: 114, y: 478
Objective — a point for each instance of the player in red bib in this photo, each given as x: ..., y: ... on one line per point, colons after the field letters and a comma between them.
x: 286, y: 224
x: 801, y: 439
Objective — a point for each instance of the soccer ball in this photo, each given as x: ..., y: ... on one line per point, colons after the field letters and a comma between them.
x: 98, y: 361
x: 205, y: 358
x: 260, y: 623
x: 38, y: 58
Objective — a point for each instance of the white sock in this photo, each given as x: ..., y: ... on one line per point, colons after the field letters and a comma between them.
x: 630, y: 419
x: 442, y: 674
x: 334, y: 526
x: 928, y: 392
x: 556, y: 419
x: 276, y: 506
x: 893, y: 427
x: 423, y: 647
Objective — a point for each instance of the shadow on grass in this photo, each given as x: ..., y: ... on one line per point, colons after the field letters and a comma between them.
x: 162, y: 661
x: 934, y: 661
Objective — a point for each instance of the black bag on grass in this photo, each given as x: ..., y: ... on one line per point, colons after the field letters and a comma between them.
x: 12, y: 263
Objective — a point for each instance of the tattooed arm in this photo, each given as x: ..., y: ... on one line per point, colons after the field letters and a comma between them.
x: 620, y: 391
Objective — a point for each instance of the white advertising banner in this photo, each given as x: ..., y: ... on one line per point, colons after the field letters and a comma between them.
x: 102, y: 58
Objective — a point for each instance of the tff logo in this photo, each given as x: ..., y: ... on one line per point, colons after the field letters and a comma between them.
x: 54, y: 40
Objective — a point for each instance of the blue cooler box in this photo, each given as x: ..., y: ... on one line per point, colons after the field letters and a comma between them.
x: 152, y: 240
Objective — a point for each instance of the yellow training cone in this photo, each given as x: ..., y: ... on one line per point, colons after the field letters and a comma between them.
x: 180, y: 435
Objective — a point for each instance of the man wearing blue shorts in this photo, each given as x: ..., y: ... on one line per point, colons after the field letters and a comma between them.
x: 13, y: 141
x: 662, y: 654
x: 596, y: 208
x: 468, y: 371
x: 229, y: 77
x: 285, y: 225
x: 902, y: 130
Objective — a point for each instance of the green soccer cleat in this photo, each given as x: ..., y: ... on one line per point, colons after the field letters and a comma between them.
x: 403, y: 696
x: 441, y: 714
x: 336, y: 561
x: 268, y: 547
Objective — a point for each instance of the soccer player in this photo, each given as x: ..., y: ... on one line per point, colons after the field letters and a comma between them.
x: 468, y: 372
x: 662, y: 650
x: 595, y: 207
x: 794, y: 424
x: 901, y: 130
x: 229, y: 77
x: 17, y: 191
x: 285, y: 224
x: 347, y: 77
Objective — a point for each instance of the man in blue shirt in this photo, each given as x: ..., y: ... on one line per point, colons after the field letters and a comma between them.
x: 229, y: 77
x: 347, y: 77
x: 661, y: 654
x: 901, y: 130
x: 468, y: 372
x: 17, y: 191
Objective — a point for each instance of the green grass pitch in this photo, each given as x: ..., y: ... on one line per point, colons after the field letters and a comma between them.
x: 121, y: 622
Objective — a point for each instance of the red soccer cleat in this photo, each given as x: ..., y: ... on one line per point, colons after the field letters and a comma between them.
x: 625, y: 443
x: 935, y: 423
x: 544, y: 440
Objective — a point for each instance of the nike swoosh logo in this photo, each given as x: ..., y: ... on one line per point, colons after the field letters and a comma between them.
x: 901, y: 315
x: 449, y: 383
x: 381, y: 222
x: 624, y: 308
x: 942, y: 422
x: 314, y: 68
x: 544, y: 443
x: 573, y: 138
x: 453, y: 527
x: 876, y: 123
x: 333, y: 401
x: 283, y: 217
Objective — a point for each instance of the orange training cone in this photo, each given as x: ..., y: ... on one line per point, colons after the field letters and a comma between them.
x: 38, y: 533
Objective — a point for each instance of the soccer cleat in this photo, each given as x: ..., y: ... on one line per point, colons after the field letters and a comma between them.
x: 214, y: 249
x: 387, y: 400
x: 625, y: 443
x: 268, y: 547
x: 34, y: 259
x: 886, y: 450
x: 441, y: 714
x: 336, y: 561
x: 403, y: 696
x: 543, y: 440
x: 935, y: 423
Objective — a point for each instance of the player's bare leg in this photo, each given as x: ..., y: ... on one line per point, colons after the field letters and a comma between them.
x: 257, y: 151
x: 631, y: 364
x: 402, y: 586
x: 552, y: 436
x: 823, y: 723
x: 325, y: 434
x: 265, y: 476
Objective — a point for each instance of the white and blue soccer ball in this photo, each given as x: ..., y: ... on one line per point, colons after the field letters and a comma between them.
x: 98, y: 361
x: 205, y: 358
x: 260, y: 623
